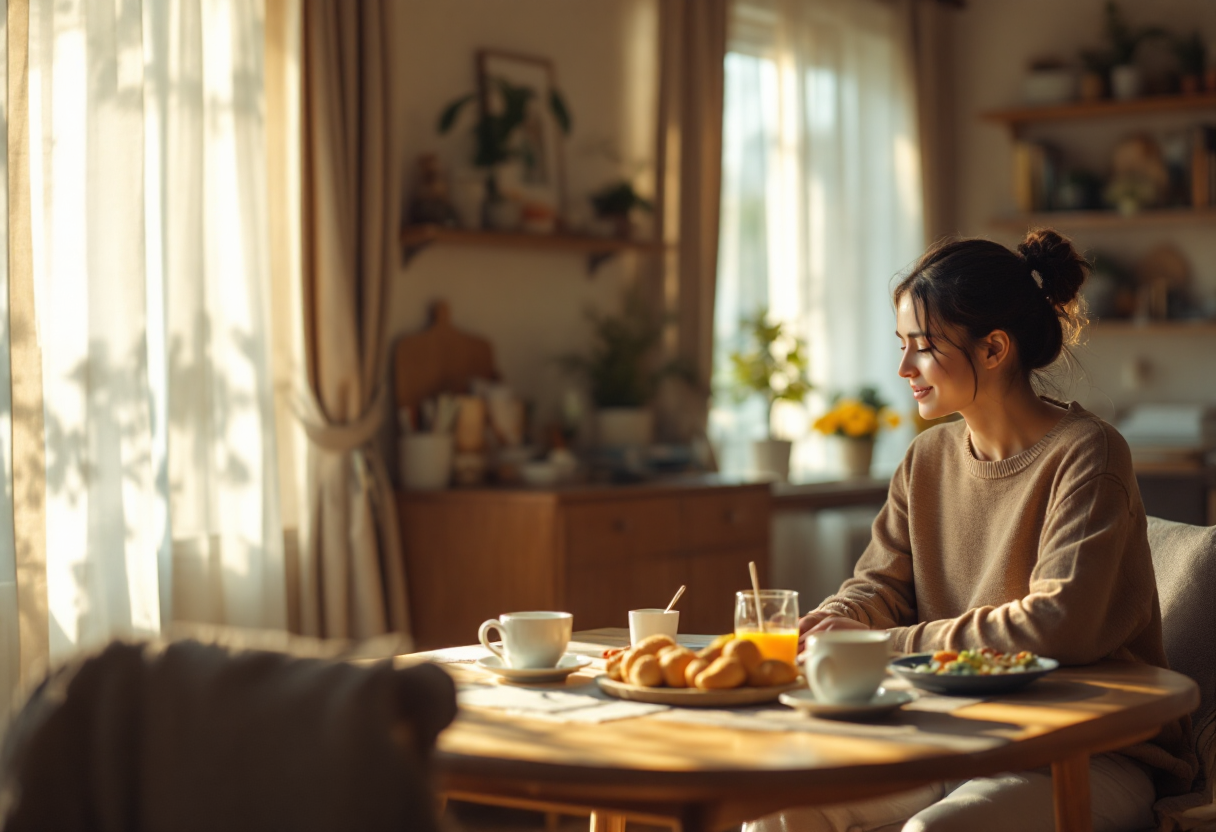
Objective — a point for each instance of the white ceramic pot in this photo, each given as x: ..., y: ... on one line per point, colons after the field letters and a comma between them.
x: 426, y: 460
x: 772, y: 457
x: 1049, y: 86
x: 1126, y: 81
x: 858, y: 455
x: 624, y: 427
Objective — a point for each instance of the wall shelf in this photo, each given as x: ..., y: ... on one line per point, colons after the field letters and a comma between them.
x: 1107, y: 219
x: 1017, y: 116
x: 597, y: 250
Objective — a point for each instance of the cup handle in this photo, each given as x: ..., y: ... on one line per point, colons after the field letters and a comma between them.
x: 817, y: 663
x: 483, y: 635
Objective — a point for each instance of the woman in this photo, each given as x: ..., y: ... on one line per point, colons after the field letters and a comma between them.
x: 1019, y: 527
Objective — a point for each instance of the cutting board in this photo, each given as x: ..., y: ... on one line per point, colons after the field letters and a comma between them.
x: 440, y: 359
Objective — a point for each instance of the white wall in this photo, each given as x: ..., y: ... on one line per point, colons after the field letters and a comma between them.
x: 994, y: 40
x: 529, y: 304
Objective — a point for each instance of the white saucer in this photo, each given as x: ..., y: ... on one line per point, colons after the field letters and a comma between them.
x: 884, y: 701
x: 566, y: 665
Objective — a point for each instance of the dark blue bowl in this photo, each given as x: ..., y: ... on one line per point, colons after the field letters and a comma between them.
x: 966, y: 685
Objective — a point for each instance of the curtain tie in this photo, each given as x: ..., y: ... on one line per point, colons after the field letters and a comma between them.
x: 345, y: 437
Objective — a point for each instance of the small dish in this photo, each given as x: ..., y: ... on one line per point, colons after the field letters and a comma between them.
x: 883, y: 702
x: 966, y: 685
x: 566, y: 665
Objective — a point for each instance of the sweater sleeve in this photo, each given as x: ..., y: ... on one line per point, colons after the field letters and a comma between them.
x: 1083, y: 602
x: 881, y: 593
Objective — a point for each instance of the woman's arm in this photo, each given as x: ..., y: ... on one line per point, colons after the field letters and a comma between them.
x: 1085, y: 599
x: 880, y: 594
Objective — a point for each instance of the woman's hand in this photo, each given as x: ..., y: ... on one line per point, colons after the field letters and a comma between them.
x: 820, y: 622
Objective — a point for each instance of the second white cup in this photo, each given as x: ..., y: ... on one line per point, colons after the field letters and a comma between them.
x: 643, y: 623
x: 846, y: 666
x: 530, y: 640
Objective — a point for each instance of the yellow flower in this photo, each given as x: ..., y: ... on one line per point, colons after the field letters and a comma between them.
x: 890, y: 417
x: 861, y: 422
x: 827, y: 423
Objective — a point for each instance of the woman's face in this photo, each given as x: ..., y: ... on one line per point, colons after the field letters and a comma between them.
x: 941, y: 377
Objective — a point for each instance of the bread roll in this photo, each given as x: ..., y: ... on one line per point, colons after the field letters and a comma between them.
x: 714, y: 650
x: 694, y: 668
x: 723, y: 674
x: 646, y: 672
x: 674, y: 663
x: 771, y: 672
x: 648, y: 646
x: 613, y: 666
x: 745, y: 651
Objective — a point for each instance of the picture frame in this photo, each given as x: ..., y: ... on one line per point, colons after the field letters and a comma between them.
x: 538, y: 175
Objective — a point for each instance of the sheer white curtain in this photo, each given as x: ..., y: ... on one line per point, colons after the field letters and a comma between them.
x: 151, y: 280
x: 821, y: 204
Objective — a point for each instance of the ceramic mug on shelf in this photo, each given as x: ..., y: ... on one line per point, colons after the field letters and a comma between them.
x: 846, y: 666
x: 529, y: 639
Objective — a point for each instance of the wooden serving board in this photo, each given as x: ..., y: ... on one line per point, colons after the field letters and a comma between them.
x: 440, y: 359
x: 693, y: 698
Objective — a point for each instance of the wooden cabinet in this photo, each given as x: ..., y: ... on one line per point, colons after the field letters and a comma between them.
x: 594, y: 551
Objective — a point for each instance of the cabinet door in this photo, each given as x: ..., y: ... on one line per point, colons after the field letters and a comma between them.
x: 726, y: 520
x: 616, y: 530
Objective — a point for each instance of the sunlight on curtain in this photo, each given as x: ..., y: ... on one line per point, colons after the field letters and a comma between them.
x: 9, y: 619
x: 150, y: 269
x: 820, y: 207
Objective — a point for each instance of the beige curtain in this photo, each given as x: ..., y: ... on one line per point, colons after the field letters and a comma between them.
x: 925, y: 33
x: 692, y: 51
x: 28, y: 454
x: 352, y: 581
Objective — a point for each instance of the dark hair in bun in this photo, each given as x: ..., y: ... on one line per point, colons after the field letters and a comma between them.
x: 978, y: 286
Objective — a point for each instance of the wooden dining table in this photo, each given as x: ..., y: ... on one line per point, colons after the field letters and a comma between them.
x: 705, y: 777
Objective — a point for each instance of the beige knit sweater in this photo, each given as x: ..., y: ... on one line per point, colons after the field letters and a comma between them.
x: 1044, y: 551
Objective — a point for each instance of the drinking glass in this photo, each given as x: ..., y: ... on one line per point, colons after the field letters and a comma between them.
x: 770, y: 619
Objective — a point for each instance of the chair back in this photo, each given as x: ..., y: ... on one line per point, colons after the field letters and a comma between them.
x: 194, y: 736
x: 1184, y: 559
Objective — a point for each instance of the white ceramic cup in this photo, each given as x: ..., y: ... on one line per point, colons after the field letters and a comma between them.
x: 643, y: 623
x: 846, y: 666
x: 530, y: 640
x: 426, y: 460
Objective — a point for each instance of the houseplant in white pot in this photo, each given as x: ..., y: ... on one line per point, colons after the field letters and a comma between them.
x: 622, y: 371
x: 857, y: 422
x: 1126, y: 78
x: 773, y: 364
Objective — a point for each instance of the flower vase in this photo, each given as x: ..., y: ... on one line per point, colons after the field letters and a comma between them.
x: 858, y: 455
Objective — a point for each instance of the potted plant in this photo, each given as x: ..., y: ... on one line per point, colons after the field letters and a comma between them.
x: 773, y: 365
x: 1192, y: 58
x: 622, y: 371
x: 1126, y: 80
x: 615, y: 202
x: 857, y: 423
x: 495, y: 137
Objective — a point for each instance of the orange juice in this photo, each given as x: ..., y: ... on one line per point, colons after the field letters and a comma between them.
x: 774, y: 644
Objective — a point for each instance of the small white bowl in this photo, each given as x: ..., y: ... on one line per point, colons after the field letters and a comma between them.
x: 539, y: 473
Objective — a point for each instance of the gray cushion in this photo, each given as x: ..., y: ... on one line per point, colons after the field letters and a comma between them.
x: 1184, y: 558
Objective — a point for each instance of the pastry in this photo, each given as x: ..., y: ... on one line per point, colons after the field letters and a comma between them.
x: 745, y: 651
x: 723, y: 674
x: 771, y: 672
x: 674, y: 663
x: 646, y: 672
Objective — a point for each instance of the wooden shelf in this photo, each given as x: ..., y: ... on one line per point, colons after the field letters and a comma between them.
x: 1120, y: 326
x: 1017, y: 116
x: 1107, y: 219
x: 415, y: 238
